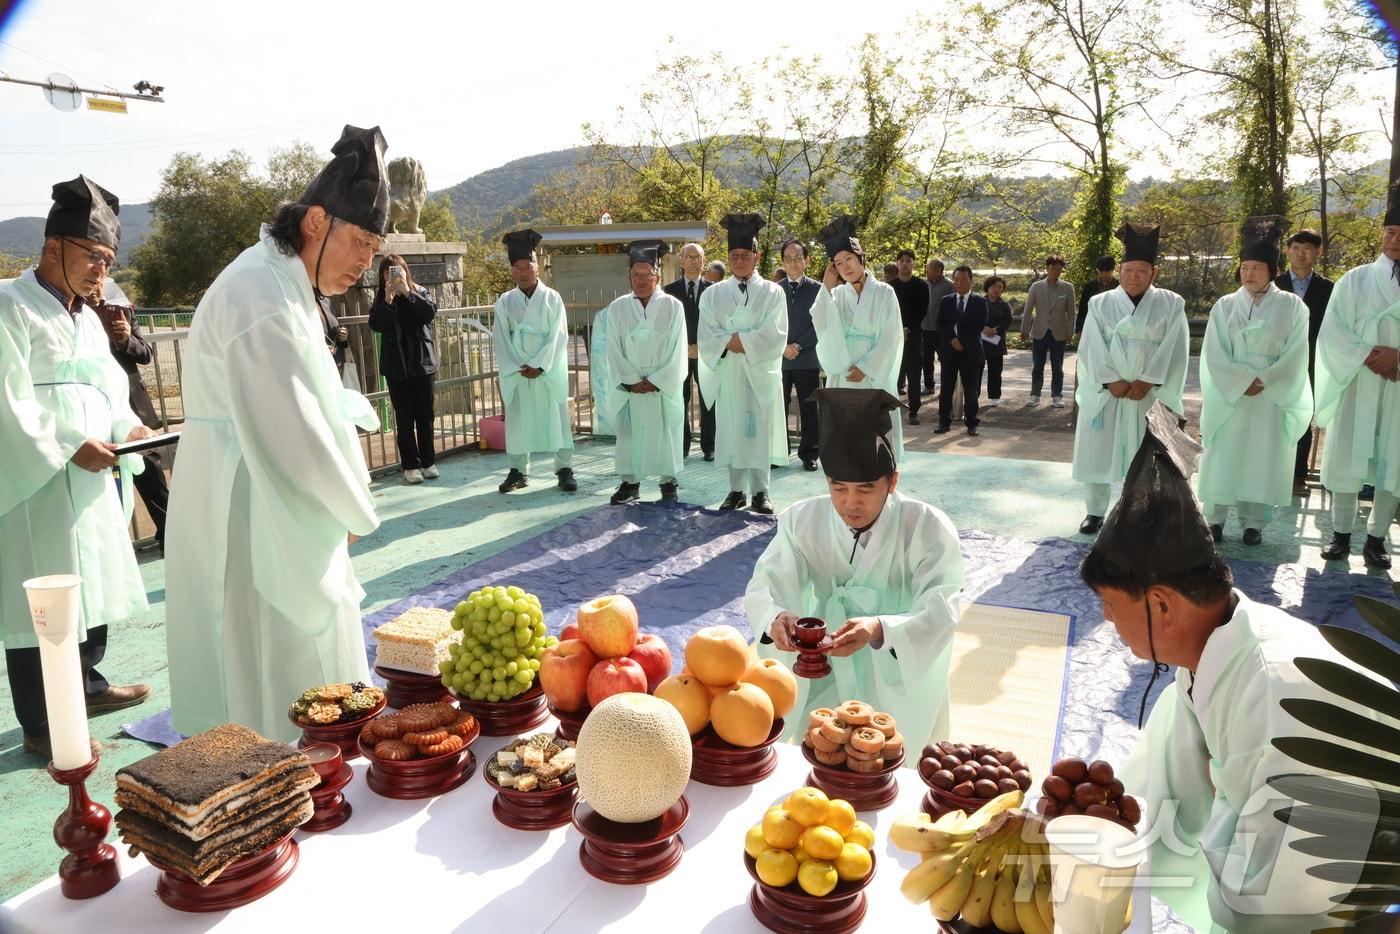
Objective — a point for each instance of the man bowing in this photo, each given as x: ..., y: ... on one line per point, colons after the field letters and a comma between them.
x: 882, y: 569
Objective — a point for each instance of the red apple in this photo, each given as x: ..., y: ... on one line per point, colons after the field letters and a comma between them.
x: 570, y: 631
x: 615, y: 676
x: 655, y: 658
x: 564, y: 670
x: 609, y: 625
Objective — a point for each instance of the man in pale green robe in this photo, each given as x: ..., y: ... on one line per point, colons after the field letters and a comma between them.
x: 63, y: 405
x: 1132, y: 353
x: 742, y: 335
x: 530, y: 337
x: 647, y: 366
x: 271, y: 488
x: 1218, y: 854
x: 1358, y: 397
x: 1256, y: 398
x: 882, y: 569
x: 860, y: 334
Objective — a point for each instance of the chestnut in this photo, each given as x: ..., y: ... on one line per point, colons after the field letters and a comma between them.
x: 988, y: 760
x: 988, y: 773
x: 1047, y: 807
x: 1006, y: 758
x: 1057, y: 788
x: 1102, y: 811
x: 1088, y: 793
x: 1073, y: 771
x: 943, y: 779
x: 1100, y: 772
x: 1067, y: 810
x: 931, y: 752
x: 963, y: 753
x: 1130, y: 809
x: 949, y: 762
x: 965, y: 773
x: 1115, y: 789
x: 1022, y: 780
x: 985, y: 788
x: 1007, y: 784
x: 1018, y: 766
x: 963, y: 789
x: 1003, y: 772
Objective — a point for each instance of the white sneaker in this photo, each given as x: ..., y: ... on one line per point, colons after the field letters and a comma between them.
x: 412, y: 476
x: 430, y: 473
x: 1035, y: 400
x: 1057, y: 402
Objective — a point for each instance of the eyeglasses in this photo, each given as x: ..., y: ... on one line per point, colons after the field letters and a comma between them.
x: 97, y: 257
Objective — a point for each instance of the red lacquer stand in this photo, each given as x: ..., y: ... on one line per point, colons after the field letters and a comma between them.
x: 569, y: 723
x: 343, y: 735
x: 812, y: 644
x: 533, y: 810
x: 410, y: 687
x: 509, y: 717
x: 630, y: 854
x: 90, y: 868
x: 332, y: 809
x: 420, y: 778
x: 246, y: 880
x: 866, y: 791
x: 715, y: 762
x: 789, y: 910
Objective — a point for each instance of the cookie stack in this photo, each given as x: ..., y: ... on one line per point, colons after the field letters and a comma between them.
x: 855, y: 735
x: 419, y: 731
x: 203, y: 804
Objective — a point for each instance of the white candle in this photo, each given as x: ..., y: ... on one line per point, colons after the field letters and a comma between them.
x: 53, y: 604
x: 1093, y: 863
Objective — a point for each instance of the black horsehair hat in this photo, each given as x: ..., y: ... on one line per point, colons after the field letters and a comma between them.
x: 743, y: 230
x: 354, y: 185
x: 854, y: 427
x: 1261, y: 239
x: 84, y: 210
x: 1139, y: 241
x: 647, y: 251
x: 840, y: 235
x: 520, y: 244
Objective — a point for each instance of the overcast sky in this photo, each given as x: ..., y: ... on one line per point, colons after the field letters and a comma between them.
x: 463, y: 87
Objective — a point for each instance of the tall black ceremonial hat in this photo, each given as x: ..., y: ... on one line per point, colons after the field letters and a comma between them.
x: 1392, y: 197
x: 1261, y: 238
x: 520, y: 244
x: 840, y: 235
x: 647, y: 251
x: 1139, y: 241
x: 743, y: 230
x: 354, y: 185
x: 84, y: 210
x: 1157, y: 528
x: 854, y: 427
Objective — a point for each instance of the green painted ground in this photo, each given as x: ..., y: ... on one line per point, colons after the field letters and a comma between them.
x: 431, y: 530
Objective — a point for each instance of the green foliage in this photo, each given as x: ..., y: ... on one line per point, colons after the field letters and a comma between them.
x: 207, y: 212
x: 1199, y: 231
x: 438, y: 222
x: 1092, y: 221
x: 11, y: 266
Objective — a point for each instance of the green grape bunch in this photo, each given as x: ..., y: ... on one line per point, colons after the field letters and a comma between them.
x: 503, y: 636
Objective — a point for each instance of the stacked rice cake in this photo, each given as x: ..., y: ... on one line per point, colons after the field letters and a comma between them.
x: 201, y: 805
x: 416, y: 641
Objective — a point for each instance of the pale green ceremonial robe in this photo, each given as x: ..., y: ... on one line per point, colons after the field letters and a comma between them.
x: 1120, y: 342
x: 59, y: 386
x: 862, y: 330
x: 1360, y: 410
x: 908, y: 572
x: 1251, y: 441
x: 533, y: 332
x: 262, y: 602
x: 647, y: 343
x: 744, y: 389
x: 599, y: 382
x: 1200, y: 769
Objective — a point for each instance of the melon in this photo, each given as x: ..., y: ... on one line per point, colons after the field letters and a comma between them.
x: 777, y: 682
x: 633, y: 759
x: 718, y: 655
x: 742, y: 716
x: 688, y: 695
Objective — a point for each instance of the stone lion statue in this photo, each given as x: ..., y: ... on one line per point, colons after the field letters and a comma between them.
x: 408, y: 188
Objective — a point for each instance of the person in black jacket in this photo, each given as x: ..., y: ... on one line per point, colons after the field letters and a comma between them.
x: 402, y: 315
x: 688, y: 288
x: 1315, y: 290
x: 337, y: 335
x: 994, y: 337
x: 961, y: 318
x: 129, y: 347
x: 912, y: 293
x: 801, y: 370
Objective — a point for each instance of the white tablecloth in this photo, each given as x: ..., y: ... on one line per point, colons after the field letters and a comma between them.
x: 445, y: 864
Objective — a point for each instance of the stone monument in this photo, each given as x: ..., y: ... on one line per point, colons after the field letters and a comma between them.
x: 408, y: 188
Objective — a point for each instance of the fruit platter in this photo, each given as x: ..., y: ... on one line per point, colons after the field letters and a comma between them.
x: 492, y: 669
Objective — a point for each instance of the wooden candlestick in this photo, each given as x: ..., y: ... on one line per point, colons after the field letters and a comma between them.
x: 90, y: 868
x: 812, y: 643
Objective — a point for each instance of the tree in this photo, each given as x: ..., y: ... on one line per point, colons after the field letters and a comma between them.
x: 206, y: 213
x: 11, y: 266
x: 438, y: 222
x: 1199, y: 230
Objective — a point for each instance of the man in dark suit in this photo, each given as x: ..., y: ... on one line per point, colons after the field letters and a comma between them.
x: 687, y: 289
x: 961, y: 318
x: 800, y: 367
x: 1314, y: 289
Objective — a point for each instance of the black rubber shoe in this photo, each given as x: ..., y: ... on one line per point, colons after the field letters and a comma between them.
x: 735, y: 500
x: 515, y: 480
x: 1090, y: 525
x: 567, y: 483
x: 1217, y: 532
x: 761, y: 504
x: 668, y: 492
x: 1375, y: 554
x: 626, y: 493
x: 1253, y: 536
x: 1339, y: 548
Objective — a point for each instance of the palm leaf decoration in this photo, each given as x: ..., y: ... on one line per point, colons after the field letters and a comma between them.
x: 1341, y: 813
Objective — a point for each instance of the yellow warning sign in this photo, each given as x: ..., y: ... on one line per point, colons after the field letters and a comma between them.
x: 111, y: 107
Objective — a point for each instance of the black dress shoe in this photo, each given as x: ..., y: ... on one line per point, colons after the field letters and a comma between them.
x: 809, y: 464
x: 941, y: 430
x: 709, y: 455
x: 761, y: 504
x: 1217, y: 532
x: 1375, y: 554
x: 735, y: 500
x: 1300, y: 486
x: 117, y: 697
x: 972, y: 430
x: 1253, y: 536
x: 668, y: 492
x: 1090, y: 525
x: 1339, y: 548
x: 626, y: 493
x: 515, y: 480
x: 567, y: 483
x: 913, y: 418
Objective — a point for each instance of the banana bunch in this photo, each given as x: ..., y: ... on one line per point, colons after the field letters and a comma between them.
x: 992, y: 868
